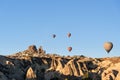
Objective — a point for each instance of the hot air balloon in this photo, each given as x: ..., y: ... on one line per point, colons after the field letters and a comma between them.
x: 69, y: 49
x: 108, y: 46
x: 69, y: 35
x: 54, y: 35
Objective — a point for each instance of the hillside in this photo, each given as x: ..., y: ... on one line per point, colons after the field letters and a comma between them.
x: 35, y: 64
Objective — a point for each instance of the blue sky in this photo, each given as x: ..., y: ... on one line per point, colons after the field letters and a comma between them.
x: 91, y: 23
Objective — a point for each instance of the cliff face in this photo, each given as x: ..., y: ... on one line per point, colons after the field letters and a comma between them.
x: 35, y: 64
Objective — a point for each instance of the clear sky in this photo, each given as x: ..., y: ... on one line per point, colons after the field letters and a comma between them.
x: 91, y: 23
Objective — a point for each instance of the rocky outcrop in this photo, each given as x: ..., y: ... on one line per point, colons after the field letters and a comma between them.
x: 112, y: 72
x: 40, y: 50
x: 2, y: 76
x: 30, y: 75
x: 33, y: 64
x: 32, y: 49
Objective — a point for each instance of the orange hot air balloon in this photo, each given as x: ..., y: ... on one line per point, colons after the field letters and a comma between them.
x: 69, y: 35
x: 69, y: 49
x: 108, y: 46
x: 54, y: 35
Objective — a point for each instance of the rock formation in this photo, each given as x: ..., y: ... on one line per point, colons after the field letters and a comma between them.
x: 30, y: 75
x: 35, y: 64
x: 32, y: 49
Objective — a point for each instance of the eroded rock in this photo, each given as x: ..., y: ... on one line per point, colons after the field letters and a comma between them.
x: 30, y: 75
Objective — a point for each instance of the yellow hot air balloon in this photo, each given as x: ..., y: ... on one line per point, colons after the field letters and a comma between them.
x: 108, y: 46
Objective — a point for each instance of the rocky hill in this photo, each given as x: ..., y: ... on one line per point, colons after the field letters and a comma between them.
x: 35, y: 64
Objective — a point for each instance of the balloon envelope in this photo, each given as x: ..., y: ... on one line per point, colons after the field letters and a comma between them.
x: 108, y: 46
x: 69, y: 49
x: 54, y: 35
x: 69, y: 35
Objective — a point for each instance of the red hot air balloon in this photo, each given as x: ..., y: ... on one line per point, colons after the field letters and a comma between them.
x: 69, y: 35
x: 108, y: 46
x: 54, y: 35
x: 69, y: 49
